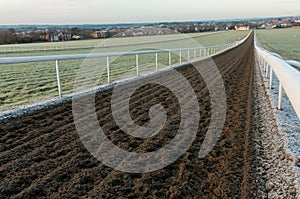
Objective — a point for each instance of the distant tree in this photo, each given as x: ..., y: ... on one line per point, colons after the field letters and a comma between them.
x: 11, y: 36
x: 2, y: 39
x: 75, y: 31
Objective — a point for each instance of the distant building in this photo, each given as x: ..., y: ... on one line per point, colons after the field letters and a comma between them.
x: 76, y: 37
x: 52, y: 37
x: 286, y: 25
x: 242, y: 28
x: 104, y: 34
x: 96, y: 35
x: 100, y: 34
x: 55, y: 37
x: 268, y: 26
x: 176, y: 30
x: 64, y: 36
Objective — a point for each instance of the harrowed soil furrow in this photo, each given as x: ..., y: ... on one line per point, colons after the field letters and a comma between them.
x: 43, y: 156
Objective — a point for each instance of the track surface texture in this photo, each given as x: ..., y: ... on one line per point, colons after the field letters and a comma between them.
x: 41, y: 154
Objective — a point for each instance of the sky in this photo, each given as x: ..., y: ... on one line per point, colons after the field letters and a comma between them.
x: 14, y: 12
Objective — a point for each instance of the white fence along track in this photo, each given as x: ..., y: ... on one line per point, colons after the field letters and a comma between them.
x: 193, y: 54
x: 289, y: 77
x: 185, y: 55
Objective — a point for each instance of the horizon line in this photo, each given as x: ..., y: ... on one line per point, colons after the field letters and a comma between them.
x: 150, y: 22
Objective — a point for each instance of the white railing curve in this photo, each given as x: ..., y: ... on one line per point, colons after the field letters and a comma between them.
x: 294, y: 63
x: 289, y: 77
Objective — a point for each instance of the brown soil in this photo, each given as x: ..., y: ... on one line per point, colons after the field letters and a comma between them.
x: 41, y: 154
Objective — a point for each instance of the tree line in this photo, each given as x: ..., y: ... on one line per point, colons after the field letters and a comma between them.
x: 11, y: 36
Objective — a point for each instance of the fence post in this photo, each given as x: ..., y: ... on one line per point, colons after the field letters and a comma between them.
x: 170, y: 59
x: 271, y: 77
x: 137, y: 64
x: 108, y: 70
x: 188, y: 55
x: 267, y: 70
x: 195, y: 53
x: 180, y: 59
x: 279, y: 95
x: 58, y: 79
x: 259, y: 60
x: 156, y: 61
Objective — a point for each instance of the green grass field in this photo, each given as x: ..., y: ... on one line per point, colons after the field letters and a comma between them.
x: 31, y: 82
x: 285, y: 42
x: 115, y: 40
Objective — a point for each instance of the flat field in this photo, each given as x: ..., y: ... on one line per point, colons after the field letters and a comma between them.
x: 285, y: 42
x: 31, y: 82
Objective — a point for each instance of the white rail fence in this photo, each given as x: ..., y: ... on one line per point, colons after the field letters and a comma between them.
x: 183, y: 56
x: 192, y: 55
x: 13, y: 49
x: 294, y: 63
x: 288, y: 77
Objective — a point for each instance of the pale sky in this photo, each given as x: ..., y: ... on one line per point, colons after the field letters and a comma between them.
x: 130, y: 11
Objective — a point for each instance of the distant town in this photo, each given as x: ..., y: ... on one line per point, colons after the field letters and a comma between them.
x: 55, y: 33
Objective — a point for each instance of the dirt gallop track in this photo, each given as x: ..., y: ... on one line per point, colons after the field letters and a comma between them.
x: 41, y: 154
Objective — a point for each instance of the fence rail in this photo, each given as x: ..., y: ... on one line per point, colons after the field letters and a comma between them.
x: 209, y: 50
x: 183, y: 56
x: 293, y: 63
x: 289, y: 77
x: 13, y: 49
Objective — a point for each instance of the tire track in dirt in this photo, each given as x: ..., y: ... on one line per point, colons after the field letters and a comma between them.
x: 72, y: 172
